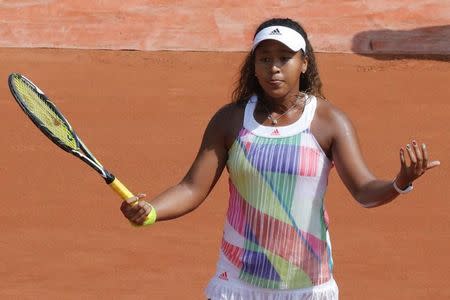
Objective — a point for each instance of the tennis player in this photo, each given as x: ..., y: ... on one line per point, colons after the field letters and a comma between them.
x: 278, y: 139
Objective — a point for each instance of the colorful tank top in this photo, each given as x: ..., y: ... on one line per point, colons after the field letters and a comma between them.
x: 276, y: 229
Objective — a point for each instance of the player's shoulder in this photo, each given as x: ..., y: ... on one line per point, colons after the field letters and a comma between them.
x: 228, y: 121
x: 328, y: 112
x: 232, y: 108
x: 229, y: 114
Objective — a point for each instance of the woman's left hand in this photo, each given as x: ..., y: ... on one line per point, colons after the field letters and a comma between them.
x: 419, y: 163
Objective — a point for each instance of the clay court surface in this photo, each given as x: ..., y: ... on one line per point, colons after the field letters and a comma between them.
x: 143, y: 115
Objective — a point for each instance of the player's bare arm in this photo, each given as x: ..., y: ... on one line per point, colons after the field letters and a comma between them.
x: 366, y: 188
x: 203, y: 174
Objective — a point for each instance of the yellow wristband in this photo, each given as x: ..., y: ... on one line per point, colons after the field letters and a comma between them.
x: 151, y: 218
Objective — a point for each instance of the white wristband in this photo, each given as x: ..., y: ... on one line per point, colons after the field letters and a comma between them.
x: 408, y: 189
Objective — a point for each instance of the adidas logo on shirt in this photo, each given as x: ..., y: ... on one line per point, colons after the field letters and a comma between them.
x: 223, y: 276
x: 275, y: 32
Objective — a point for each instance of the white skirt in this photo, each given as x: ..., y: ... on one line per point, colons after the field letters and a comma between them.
x: 231, y: 290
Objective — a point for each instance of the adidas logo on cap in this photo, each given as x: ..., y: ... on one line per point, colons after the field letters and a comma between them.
x: 276, y: 31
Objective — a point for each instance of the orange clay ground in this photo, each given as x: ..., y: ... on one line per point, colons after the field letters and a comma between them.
x: 143, y: 115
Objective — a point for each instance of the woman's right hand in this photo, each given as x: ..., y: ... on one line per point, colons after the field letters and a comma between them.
x: 135, y: 209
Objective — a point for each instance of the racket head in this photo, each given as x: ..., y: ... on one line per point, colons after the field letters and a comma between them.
x: 44, y: 114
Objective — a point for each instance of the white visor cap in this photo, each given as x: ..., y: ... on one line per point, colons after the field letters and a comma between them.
x: 289, y: 37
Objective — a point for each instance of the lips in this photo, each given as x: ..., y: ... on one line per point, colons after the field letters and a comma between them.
x: 275, y: 82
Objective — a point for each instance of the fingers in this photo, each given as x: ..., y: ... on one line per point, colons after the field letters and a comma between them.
x: 145, y: 210
x: 419, y: 158
x: 402, y: 158
x: 419, y: 161
x: 426, y: 163
x: 411, y: 154
x: 127, y: 206
x: 136, y: 210
x: 433, y: 164
x: 134, y: 199
x: 142, y: 209
x: 425, y: 157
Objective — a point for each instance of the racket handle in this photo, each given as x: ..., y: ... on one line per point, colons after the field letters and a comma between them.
x: 125, y: 194
x: 120, y: 189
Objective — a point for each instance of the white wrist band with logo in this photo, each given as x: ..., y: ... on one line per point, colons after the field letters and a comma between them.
x: 408, y: 189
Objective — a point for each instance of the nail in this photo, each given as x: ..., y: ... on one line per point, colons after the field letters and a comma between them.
x: 414, y: 142
x: 408, y: 146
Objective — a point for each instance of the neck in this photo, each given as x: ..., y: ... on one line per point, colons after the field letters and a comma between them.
x: 284, y: 108
x: 281, y: 105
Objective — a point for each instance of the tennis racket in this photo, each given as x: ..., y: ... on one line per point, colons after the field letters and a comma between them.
x: 46, y: 116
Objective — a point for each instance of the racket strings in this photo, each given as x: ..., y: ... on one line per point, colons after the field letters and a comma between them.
x: 42, y: 110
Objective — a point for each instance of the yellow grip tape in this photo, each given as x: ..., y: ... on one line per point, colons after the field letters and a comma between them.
x: 120, y: 189
x: 125, y: 194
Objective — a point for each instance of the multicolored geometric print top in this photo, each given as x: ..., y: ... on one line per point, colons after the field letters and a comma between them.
x: 276, y: 230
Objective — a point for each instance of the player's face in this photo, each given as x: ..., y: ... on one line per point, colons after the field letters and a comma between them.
x: 278, y: 69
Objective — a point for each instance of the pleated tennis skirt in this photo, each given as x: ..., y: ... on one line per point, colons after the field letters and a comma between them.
x: 231, y: 290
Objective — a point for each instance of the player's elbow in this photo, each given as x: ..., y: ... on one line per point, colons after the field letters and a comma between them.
x: 367, y: 203
x: 365, y: 197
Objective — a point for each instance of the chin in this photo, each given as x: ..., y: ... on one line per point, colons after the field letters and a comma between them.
x: 275, y: 93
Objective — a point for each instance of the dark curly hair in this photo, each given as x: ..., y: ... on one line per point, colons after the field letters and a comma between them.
x: 248, y: 85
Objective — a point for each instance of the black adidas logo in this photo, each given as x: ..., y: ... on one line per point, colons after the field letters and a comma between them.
x: 275, y: 32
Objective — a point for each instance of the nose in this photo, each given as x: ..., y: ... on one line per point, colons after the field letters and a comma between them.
x: 275, y: 67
